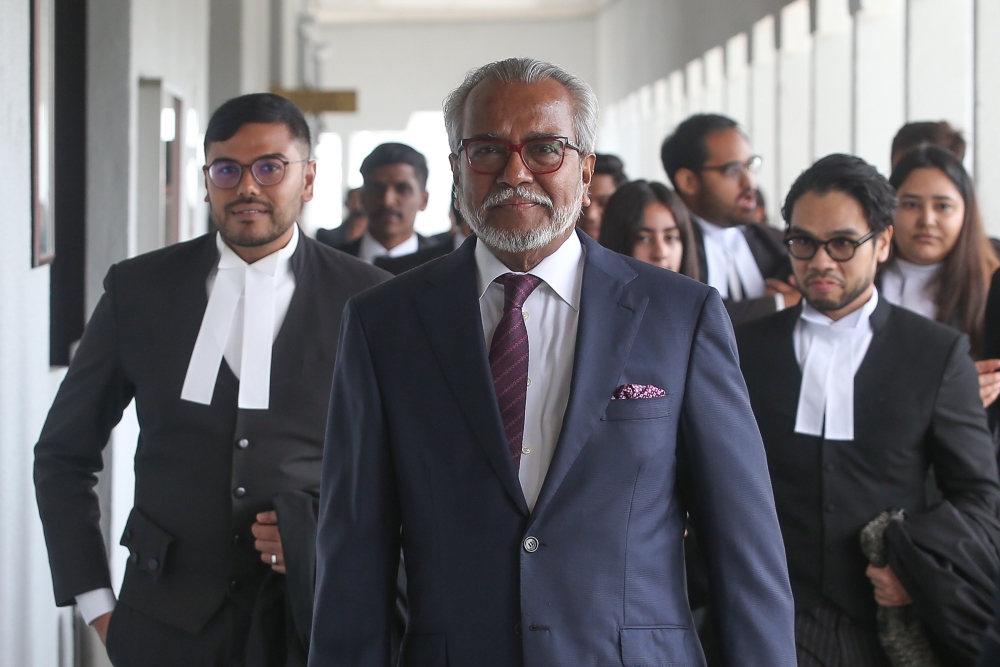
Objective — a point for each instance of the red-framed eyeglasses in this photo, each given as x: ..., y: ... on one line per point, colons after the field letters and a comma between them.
x: 541, y: 156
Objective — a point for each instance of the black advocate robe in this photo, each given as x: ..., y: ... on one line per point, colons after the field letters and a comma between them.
x: 202, y: 471
x: 916, y: 404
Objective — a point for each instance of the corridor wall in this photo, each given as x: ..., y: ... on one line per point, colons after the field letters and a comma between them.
x: 813, y: 78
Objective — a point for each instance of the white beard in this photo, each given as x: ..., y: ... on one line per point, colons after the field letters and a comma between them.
x: 561, y: 219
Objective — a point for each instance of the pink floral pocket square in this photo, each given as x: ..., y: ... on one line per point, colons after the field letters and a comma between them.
x: 638, y: 391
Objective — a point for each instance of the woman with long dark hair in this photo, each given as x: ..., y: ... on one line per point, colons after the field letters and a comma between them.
x: 647, y: 221
x: 942, y: 260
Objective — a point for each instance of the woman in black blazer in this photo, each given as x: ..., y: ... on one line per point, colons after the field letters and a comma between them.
x: 942, y: 259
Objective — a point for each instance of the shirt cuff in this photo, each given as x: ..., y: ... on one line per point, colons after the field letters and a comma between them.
x: 96, y: 603
x: 779, y: 301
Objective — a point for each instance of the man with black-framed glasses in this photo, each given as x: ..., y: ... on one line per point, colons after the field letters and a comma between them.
x: 227, y: 344
x: 712, y: 167
x: 855, y: 399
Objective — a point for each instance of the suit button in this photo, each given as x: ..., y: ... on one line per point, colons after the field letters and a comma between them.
x: 243, y: 443
x: 530, y: 544
x: 133, y: 558
x: 153, y: 564
x: 517, y: 629
x: 239, y: 492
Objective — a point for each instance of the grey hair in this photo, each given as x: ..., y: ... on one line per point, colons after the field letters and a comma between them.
x: 526, y: 70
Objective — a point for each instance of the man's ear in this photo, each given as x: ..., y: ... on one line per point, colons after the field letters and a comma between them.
x: 423, y: 202
x: 588, y: 177
x: 688, y: 183
x: 883, y: 244
x: 455, y: 167
x: 308, y: 179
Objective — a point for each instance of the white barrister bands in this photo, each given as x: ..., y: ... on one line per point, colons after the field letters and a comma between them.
x: 830, y: 353
x: 246, y: 306
x: 732, y: 269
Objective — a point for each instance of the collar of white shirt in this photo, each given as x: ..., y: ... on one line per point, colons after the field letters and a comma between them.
x: 370, y: 248
x: 246, y: 305
x: 729, y: 244
x: 562, y: 271
x: 830, y: 353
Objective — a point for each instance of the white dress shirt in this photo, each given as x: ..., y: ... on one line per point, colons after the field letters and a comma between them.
x: 829, y: 353
x: 732, y: 269
x: 909, y: 285
x: 370, y: 248
x: 551, y: 315
x: 229, y: 328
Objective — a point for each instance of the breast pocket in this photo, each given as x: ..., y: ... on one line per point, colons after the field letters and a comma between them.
x: 634, y: 409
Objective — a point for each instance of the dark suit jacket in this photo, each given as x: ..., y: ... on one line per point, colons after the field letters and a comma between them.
x: 189, y: 533
x: 772, y: 257
x: 916, y: 403
x: 354, y: 247
x: 403, y: 263
x: 416, y: 454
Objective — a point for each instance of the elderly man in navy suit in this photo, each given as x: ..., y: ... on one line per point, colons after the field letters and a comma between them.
x: 532, y: 418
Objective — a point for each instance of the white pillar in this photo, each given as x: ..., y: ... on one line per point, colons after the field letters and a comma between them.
x: 737, y: 99
x: 879, y: 69
x: 987, y: 134
x: 833, y: 91
x: 794, y: 92
x: 763, y: 110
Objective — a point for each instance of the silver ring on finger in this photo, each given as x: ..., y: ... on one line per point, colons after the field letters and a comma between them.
x: 274, y: 559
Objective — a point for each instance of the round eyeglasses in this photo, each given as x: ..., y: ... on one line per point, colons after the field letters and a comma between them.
x: 541, y: 156
x: 227, y: 174
x: 734, y: 170
x: 839, y: 248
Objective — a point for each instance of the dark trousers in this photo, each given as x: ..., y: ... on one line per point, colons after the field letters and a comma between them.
x: 138, y: 640
x: 827, y: 637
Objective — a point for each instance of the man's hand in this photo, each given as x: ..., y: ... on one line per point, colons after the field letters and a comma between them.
x: 268, y: 540
x: 888, y: 591
x: 791, y: 293
x: 989, y: 380
x: 100, y: 624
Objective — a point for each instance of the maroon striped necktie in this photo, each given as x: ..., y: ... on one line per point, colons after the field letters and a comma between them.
x: 509, y: 358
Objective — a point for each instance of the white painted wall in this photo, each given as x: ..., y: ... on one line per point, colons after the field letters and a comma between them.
x: 29, y: 621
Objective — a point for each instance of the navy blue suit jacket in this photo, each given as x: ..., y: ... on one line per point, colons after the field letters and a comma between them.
x: 416, y: 456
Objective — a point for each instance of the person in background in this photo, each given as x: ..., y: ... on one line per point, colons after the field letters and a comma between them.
x: 711, y: 166
x: 942, y: 260
x: 648, y: 221
x: 938, y: 133
x: 227, y: 344
x: 354, y: 225
x: 395, y: 190
x: 855, y: 399
x: 761, y: 215
x: 448, y: 241
x: 609, y: 175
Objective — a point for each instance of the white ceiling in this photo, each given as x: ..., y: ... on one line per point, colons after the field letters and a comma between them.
x: 364, y: 11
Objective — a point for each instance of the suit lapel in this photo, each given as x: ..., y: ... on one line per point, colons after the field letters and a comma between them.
x: 300, y: 318
x: 451, y: 316
x: 610, y: 314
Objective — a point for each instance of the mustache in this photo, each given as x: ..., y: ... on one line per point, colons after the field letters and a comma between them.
x: 249, y: 200
x: 518, y: 192
x: 826, y: 275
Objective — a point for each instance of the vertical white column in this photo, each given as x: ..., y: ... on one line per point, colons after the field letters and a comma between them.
x: 694, y: 75
x: 794, y: 93
x: 879, y: 69
x: 941, y: 63
x: 678, y: 101
x: 737, y: 99
x: 662, y: 124
x: 715, y: 80
x: 987, y: 133
x: 833, y: 88
x: 630, y: 152
x: 763, y: 102
x: 645, y: 140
